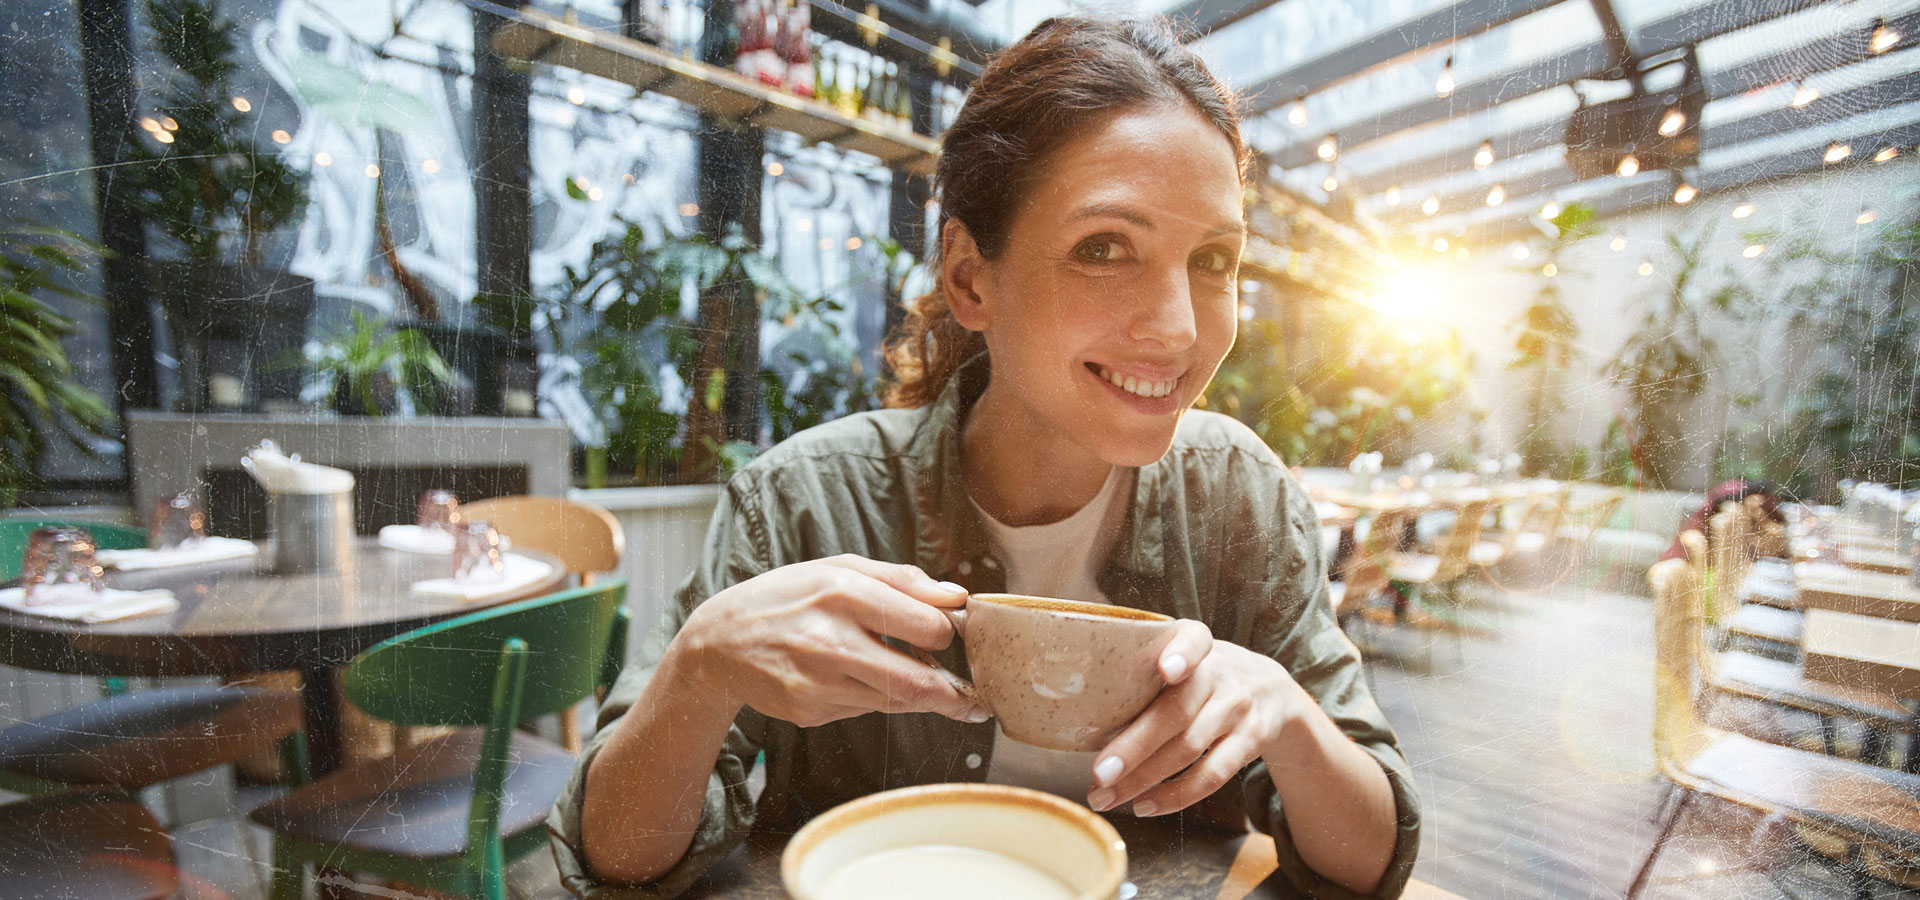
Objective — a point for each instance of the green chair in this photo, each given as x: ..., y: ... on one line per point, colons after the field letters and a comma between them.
x: 449, y: 814
x: 135, y: 740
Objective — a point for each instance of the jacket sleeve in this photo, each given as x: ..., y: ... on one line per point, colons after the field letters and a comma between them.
x: 1294, y: 625
x: 736, y: 549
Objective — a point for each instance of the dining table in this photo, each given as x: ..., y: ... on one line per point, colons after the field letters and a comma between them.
x: 237, y: 617
x: 1168, y: 858
x: 1825, y: 585
x: 1872, y: 652
x: 1876, y: 559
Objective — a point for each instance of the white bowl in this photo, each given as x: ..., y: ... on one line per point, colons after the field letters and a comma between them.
x: 1062, y: 839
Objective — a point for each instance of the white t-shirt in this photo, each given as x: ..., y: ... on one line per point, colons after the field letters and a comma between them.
x: 1058, y: 559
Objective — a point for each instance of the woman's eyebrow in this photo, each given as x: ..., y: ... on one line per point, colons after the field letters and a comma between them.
x: 1140, y: 218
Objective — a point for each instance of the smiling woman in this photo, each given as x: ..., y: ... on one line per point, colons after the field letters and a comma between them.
x: 1042, y: 441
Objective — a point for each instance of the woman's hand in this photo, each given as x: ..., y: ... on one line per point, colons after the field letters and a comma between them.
x: 1226, y: 713
x: 802, y: 642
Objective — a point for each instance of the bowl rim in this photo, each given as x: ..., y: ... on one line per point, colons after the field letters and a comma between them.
x: 874, y: 804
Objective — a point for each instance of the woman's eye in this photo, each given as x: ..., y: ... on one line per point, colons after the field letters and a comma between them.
x: 1212, y: 262
x: 1098, y: 250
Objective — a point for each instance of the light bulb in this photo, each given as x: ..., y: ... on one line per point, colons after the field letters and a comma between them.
x: 323, y: 158
x: 1331, y: 184
x: 1684, y: 194
x: 1753, y: 250
x: 1866, y: 217
x: 1743, y: 210
x: 1618, y: 243
x: 576, y: 96
x: 1497, y: 195
x: 373, y: 171
x: 1549, y: 270
x: 280, y: 136
x: 1430, y: 205
x: 1550, y: 211
x: 242, y: 104
x: 853, y: 243
x: 1672, y: 122
x: 164, y: 137
x: 775, y: 169
x: 1444, y: 85
x: 1837, y: 151
x: 1483, y: 157
x: 1804, y: 95
x: 1629, y: 166
x: 1883, y: 38
x: 1297, y: 112
x: 1393, y: 195
x: 1886, y: 153
x: 150, y: 124
x: 1646, y: 268
x: 1520, y: 251
x: 1328, y: 149
x: 430, y: 166
x: 168, y: 123
x: 1439, y: 245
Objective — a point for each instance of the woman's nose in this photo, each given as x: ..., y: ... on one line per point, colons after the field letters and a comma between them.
x: 1163, y: 313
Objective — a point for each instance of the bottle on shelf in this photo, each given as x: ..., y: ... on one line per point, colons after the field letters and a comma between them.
x: 903, y: 102
x: 799, y: 48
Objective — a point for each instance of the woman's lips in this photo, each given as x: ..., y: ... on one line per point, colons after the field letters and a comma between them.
x: 1133, y: 386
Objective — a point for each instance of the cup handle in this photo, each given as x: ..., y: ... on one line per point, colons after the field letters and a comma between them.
x: 959, y: 619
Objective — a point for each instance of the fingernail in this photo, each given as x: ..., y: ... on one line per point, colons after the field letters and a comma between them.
x: 978, y: 714
x: 1174, y: 665
x: 1108, y: 770
x: 950, y: 587
x: 1100, y: 799
x: 1144, y: 808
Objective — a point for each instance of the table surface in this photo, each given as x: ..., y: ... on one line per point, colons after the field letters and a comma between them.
x: 235, y: 620
x: 1858, y: 591
x: 1165, y: 861
x: 1876, y: 559
x: 1878, y: 653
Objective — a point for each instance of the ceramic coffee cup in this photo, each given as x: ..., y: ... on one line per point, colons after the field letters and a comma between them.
x: 959, y: 841
x: 1060, y: 674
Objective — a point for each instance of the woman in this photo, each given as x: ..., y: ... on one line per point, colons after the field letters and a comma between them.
x: 1760, y: 503
x: 1091, y: 227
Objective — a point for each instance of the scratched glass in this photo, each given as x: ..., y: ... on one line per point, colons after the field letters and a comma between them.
x: 59, y: 567
x: 178, y: 521
x: 477, y: 558
x: 438, y: 511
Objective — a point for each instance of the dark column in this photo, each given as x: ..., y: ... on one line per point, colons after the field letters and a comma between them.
x: 729, y: 176
x: 502, y: 205
x: 907, y: 200
x: 106, y: 56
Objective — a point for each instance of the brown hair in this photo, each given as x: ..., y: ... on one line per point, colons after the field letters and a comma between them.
x: 1033, y: 97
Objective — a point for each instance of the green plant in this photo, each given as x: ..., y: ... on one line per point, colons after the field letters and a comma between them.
x: 357, y: 369
x: 39, y: 395
x: 203, y: 182
x: 1664, y: 362
x: 1546, y: 344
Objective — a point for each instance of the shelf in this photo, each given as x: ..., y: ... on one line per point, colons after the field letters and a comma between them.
x: 538, y: 37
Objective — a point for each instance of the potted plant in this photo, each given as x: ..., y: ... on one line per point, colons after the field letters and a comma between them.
x: 214, y: 196
x: 1545, y: 349
x: 372, y: 370
x: 39, y: 395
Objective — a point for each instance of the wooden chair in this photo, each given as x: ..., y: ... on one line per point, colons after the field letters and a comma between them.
x: 97, y: 845
x: 586, y: 539
x: 1770, y: 630
x: 1874, y: 812
x: 1537, y: 531
x: 133, y: 740
x: 1579, y: 524
x: 1413, y: 577
x: 1493, y: 549
x: 449, y: 814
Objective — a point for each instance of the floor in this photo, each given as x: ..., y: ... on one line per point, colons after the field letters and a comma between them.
x: 1528, y: 740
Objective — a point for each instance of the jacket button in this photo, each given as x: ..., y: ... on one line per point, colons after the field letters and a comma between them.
x: 973, y: 760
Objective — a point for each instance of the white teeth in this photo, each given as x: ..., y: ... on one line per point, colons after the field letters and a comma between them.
x: 1137, y: 387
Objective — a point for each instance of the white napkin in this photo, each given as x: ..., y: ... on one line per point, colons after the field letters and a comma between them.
x: 211, y: 549
x: 414, y: 539
x: 111, y: 605
x: 283, y: 474
x: 520, y: 572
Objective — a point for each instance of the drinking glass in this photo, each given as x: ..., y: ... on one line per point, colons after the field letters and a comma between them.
x: 476, y: 553
x: 59, y: 567
x: 438, y: 511
x: 178, y: 521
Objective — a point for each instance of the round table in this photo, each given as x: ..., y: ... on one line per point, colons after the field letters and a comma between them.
x: 235, y: 619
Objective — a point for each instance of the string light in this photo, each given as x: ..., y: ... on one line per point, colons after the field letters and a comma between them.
x: 593, y: 193
x: 628, y: 179
x: 1520, y: 251
x: 803, y: 226
x: 853, y: 243
x: 242, y: 104
x: 169, y: 123
x: 430, y: 166
x: 1297, y: 111
x: 1430, y: 205
x: 164, y: 137
x: 1685, y: 193
x: 1483, y: 157
x: 1646, y: 268
x: 1439, y: 245
x: 1497, y: 195
x: 689, y: 209
x: 1629, y: 166
x: 1883, y: 37
x: 1837, y: 151
x: 1866, y: 217
x: 1886, y: 153
x: 1393, y: 195
x: 1331, y: 184
x: 1804, y: 95
x: 1672, y: 122
x: 1329, y: 149
x: 323, y: 158
x: 1550, y: 211
x: 280, y: 136
x: 1549, y: 270
x: 1743, y: 210
x: 149, y: 124
x: 373, y: 171
x: 576, y: 96
x: 775, y: 169
x: 1618, y: 244
x: 1444, y: 85
x: 580, y: 182
x: 1753, y: 250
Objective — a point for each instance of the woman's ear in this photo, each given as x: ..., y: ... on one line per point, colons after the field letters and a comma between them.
x: 962, y: 271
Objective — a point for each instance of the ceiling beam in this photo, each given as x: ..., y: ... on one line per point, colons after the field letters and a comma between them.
x: 1444, y: 25
x: 1808, y: 59
x: 1588, y: 61
x: 1645, y: 193
x: 1199, y: 18
x: 1891, y: 91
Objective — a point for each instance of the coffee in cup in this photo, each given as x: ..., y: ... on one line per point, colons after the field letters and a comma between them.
x: 1060, y: 674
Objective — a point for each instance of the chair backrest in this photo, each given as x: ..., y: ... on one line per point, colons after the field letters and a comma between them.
x: 1456, y: 550
x: 585, y: 538
x: 1602, y: 509
x: 1728, y: 534
x: 1678, y: 731
x: 14, y: 534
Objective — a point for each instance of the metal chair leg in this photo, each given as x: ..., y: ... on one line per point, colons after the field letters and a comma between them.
x: 1659, y: 843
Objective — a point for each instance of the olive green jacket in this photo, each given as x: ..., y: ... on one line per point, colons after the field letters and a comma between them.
x: 1217, y: 531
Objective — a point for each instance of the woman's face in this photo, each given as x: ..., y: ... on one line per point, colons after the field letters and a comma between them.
x: 1114, y: 299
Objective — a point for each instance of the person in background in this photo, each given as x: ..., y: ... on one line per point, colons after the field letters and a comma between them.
x: 1758, y: 500
x: 1042, y: 440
